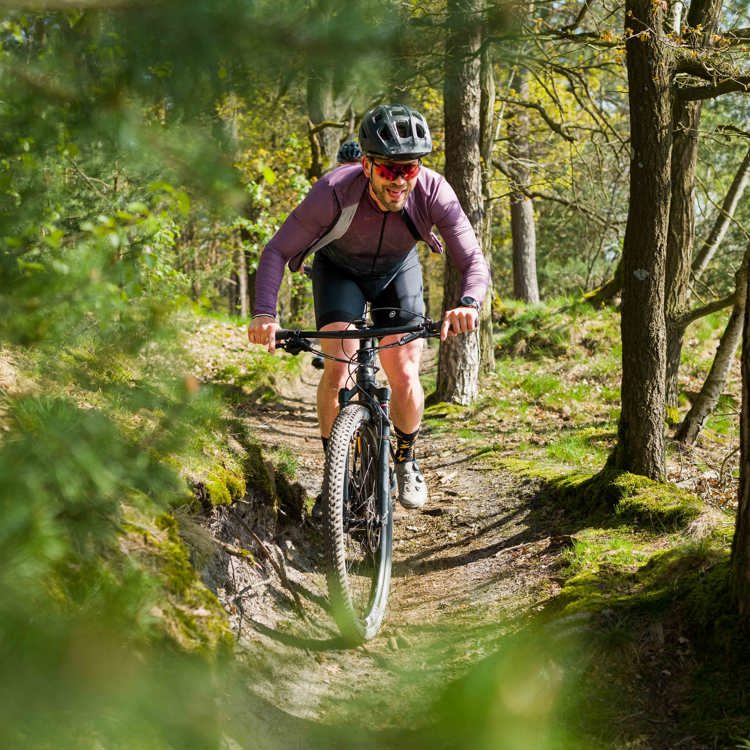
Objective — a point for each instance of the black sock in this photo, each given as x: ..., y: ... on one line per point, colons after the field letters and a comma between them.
x: 324, y: 440
x: 404, y: 445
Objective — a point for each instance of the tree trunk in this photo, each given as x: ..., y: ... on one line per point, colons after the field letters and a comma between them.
x: 523, y: 229
x: 716, y: 379
x: 741, y: 541
x: 640, y: 447
x: 244, y: 289
x: 680, y: 240
x: 458, y: 362
x: 486, y: 147
x: 321, y: 107
x: 702, y: 19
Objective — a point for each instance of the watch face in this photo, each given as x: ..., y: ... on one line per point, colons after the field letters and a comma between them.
x: 469, y: 302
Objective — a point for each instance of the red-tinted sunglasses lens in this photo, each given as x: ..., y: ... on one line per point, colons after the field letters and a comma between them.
x: 394, y: 171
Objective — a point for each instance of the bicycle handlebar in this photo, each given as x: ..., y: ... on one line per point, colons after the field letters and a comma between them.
x: 296, y: 341
x: 425, y: 328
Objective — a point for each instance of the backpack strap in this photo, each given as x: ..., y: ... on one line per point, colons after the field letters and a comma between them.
x: 337, y: 229
x: 410, y: 225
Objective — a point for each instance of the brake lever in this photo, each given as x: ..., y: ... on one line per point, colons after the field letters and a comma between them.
x: 296, y: 345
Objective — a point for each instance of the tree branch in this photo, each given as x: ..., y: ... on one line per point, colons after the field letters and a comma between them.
x: 590, y: 38
x: 581, y: 15
x: 505, y: 169
x: 557, y: 127
x: 711, y: 91
x: 325, y: 124
x: 726, y: 213
x: 691, y: 316
x: 736, y: 36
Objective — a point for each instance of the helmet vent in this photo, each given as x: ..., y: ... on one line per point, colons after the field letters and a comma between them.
x: 395, y: 132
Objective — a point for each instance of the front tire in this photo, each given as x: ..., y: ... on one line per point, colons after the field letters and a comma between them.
x: 358, y: 524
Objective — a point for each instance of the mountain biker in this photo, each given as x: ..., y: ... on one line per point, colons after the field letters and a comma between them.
x: 362, y: 222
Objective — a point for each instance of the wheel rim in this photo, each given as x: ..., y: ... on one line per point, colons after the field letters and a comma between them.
x: 362, y: 522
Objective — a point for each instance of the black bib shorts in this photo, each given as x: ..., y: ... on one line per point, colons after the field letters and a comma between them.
x: 341, y: 291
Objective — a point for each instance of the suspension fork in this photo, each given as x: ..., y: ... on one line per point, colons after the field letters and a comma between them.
x: 383, y: 396
x: 377, y: 399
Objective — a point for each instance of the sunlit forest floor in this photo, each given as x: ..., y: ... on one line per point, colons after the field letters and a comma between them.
x: 536, y: 603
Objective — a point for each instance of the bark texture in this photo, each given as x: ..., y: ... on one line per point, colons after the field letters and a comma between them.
x: 741, y: 541
x: 640, y: 447
x: 486, y: 147
x: 681, y: 237
x: 458, y: 362
x: 702, y: 19
x: 523, y: 229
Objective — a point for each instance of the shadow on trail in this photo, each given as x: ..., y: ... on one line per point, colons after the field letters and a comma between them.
x: 407, y: 567
x: 306, y: 643
x: 460, y: 542
x: 533, y: 515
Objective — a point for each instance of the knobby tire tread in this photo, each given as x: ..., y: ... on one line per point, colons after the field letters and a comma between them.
x: 356, y: 626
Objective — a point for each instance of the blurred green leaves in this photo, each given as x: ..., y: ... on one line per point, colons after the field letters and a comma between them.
x: 119, y: 176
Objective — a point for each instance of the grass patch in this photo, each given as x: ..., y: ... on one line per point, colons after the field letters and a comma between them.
x: 581, y: 448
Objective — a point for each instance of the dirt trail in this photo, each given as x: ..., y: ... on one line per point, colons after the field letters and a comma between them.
x: 463, y: 566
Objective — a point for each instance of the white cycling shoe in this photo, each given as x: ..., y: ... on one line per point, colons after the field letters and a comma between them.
x: 412, y: 489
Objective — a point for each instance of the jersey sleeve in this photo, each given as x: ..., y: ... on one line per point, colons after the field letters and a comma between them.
x: 302, y: 228
x: 460, y: 241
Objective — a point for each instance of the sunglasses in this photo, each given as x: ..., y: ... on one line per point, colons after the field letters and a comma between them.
x: 393, y: 171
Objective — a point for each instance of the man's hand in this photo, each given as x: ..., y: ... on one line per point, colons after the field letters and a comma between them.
x: 459, y: 320
x: 262, y: 330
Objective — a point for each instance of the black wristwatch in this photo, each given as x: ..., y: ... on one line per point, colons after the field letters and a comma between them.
x: 469, y: 302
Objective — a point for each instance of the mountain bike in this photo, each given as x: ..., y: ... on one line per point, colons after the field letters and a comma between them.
x: 357, y: 479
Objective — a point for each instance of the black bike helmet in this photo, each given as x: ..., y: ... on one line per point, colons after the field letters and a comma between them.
x: 349, y: 152
x: 395, y: 131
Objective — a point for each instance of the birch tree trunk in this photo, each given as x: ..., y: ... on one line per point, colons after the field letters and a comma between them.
x: 728, y: 207
x: 716, y: 379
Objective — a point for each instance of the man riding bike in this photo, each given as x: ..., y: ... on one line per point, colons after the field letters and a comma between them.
x: 362, y: 222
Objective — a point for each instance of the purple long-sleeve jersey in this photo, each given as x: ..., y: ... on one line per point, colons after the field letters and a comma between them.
x: 382, y: 237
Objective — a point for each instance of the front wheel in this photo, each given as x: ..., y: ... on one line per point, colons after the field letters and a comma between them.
x: 358, y: 525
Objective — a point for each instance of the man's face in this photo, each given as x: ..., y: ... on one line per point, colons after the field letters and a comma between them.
x: 390, y: 181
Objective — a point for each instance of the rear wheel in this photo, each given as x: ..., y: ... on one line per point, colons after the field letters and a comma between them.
x: 358, y: 525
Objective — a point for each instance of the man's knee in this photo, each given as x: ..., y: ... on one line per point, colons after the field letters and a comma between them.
x: 334, y: 376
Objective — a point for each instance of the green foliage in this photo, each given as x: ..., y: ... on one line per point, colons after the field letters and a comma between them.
x: 225, y: 486
x: 75, y: 611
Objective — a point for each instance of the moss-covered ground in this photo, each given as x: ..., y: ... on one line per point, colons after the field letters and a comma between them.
x: 637, y: 646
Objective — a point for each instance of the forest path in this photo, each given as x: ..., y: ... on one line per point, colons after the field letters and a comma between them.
x: 466, y: 567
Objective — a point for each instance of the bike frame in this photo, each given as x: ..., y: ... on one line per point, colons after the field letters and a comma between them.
x: 366, y: 392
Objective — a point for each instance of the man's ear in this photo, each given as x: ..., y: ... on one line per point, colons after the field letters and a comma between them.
x: 366, y: 166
